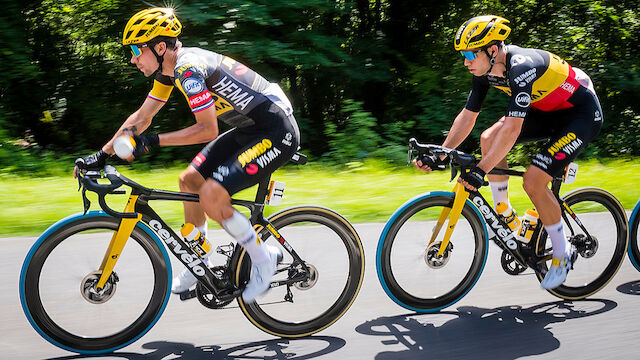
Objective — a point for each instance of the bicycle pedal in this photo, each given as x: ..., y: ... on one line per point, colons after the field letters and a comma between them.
x: 186, y: 295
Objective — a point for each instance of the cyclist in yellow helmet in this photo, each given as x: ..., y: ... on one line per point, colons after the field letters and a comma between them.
x: 548, y: 99
x: 264, y: 136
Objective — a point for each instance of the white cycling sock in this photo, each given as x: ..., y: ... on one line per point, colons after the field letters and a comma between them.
x: 240, y: 228
x: 500, y: 192
x: 558, y: 240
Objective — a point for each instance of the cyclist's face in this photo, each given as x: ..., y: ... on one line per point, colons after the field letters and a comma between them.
x: 146, y: 62
x: 480, y: 65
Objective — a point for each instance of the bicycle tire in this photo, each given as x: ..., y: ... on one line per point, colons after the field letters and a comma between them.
x: 30, y: 291
x: 605, y: 201
x: 634, y: 237
x: 385, y: 270
x: 355, y: 257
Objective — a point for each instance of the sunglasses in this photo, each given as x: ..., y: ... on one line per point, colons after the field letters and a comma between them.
x: 136, y: 50
x: 470, y: 55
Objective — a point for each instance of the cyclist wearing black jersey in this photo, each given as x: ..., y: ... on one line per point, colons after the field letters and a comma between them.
x: 264, y: 134
x: 548, y: 99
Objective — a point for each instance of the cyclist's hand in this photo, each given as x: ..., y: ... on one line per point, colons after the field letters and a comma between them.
x: 473, y: 179
x: 144, y: 143
x: 429, y: 162
x: 92, y: 162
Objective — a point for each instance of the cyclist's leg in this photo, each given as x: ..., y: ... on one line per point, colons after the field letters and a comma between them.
x: 263, y: 150
x: 580, y: 125
x: 499, y: 184
x: 191, y: 180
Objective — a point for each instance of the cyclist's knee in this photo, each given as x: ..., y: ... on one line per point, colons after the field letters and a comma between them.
x: 216, y: 200
x: 190, y: 180
x: 535, y: 180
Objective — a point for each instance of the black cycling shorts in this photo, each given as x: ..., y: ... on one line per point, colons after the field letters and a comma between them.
x: 242, y: 157
x: 569, y: 131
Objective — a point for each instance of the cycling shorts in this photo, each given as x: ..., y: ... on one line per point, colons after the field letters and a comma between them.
x: 242, y: 157
x: 569, y: 131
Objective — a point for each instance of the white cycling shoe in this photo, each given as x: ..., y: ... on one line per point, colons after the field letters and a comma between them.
x: 185, y: 280
x: 261, y: 274
x: 557, y: 273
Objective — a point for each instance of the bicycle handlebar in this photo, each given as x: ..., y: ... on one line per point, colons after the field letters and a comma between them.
x: 456, y: 156
x: 88, y: 182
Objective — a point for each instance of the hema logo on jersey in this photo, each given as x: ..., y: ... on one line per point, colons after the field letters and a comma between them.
x: 233, y: 92
x: 201, y: 100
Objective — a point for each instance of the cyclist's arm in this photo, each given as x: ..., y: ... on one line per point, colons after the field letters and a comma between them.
x: 506, y: 137
x: 141, y: 119
x: 461, y: 128
x: 204, y: 130
x: 466, y: 119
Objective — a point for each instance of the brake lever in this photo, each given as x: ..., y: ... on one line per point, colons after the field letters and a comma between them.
x: 454, y: 170
x: 85, y: 201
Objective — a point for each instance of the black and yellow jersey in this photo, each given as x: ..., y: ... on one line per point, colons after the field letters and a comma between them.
x: 209, y: 79
x: 534, y: 78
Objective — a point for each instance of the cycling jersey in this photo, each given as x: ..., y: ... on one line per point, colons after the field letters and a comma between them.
x: 209, y: 79
x: 533, y: 79
x: 265, y: 134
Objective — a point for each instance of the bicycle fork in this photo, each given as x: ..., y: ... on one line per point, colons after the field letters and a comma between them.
x: 118, y: 241
x: 461, y: 195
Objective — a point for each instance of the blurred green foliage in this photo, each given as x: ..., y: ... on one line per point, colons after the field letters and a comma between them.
x: 363, y: 75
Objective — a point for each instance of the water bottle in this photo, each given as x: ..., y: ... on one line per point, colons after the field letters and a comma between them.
x: 509, y: 215
x: 196, y: 240
x: 529, y: 224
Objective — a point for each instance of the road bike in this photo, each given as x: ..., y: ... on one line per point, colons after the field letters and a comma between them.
x: 70, y: 276
x: 425, y: 269
x: 634, y: 238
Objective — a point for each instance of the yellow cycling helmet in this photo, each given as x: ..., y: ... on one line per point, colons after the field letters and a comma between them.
x: 150, y: 23
x: 481, y: 30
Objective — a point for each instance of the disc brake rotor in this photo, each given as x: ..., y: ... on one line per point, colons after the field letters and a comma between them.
x: 92, y: 294
x: 311, y: 280
x: 431, y: 257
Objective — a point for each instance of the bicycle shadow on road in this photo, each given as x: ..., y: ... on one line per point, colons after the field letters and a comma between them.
x: 277, y: 349
x: 508, y: 332
x: 630, y: 288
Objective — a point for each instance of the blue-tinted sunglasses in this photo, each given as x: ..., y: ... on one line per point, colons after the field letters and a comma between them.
x: 470, y: 55
x: 136, y: 50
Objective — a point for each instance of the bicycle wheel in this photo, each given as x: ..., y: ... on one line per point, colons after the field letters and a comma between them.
x: 599, y: 258
x: 62, y: 305
x: 407, y: 268
x: 634, y: 238
x: 331, y: 249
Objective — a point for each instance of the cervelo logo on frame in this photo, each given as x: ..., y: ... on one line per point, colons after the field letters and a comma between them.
x: 193, y: 262
x: 492, y: 220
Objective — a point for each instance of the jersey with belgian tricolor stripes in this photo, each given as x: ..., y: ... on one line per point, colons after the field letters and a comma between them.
x: 534, y: 78
x: 209, y: 79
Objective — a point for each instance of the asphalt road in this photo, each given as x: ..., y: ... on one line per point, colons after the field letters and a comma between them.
x: 503, y: 317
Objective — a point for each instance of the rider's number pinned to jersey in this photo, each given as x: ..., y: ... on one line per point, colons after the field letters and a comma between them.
x: 571, y: 172
x: 276, y: 190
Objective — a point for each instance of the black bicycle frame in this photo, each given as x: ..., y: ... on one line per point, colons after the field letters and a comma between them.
x: 221, y: 290
x: 504, y: 237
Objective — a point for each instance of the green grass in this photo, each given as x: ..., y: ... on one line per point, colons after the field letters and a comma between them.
x: 368, y: 192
